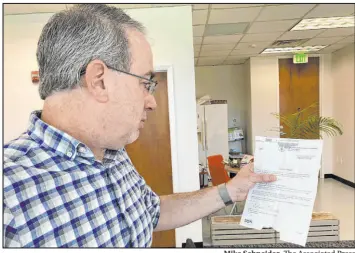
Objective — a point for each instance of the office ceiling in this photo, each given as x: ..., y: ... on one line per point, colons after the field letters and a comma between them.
x: 254, y: 27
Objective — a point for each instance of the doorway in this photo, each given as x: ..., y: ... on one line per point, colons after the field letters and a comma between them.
x: 298, y: 87
x: 151, y: 153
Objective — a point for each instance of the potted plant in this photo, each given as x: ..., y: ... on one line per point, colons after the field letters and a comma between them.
x: 307, y: 124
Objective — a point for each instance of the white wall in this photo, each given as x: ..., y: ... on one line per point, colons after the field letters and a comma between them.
x: 264, y: 83
x: 326, y: 109
x: 172, y: 44
x: 20, y: 95
x: 343, y: 110
x: 249, y: 124
x: 226, y: 82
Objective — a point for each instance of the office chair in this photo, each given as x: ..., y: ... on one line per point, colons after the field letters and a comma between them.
x: 218, y: 174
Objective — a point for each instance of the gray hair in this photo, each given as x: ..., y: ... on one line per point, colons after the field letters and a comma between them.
x: 73, y: 38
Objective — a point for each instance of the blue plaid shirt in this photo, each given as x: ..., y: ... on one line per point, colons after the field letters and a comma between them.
x: 57, y: 195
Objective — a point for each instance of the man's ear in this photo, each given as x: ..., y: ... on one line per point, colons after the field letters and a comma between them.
x: 95, y: 76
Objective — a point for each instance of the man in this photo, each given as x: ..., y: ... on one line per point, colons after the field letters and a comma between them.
x: 68, y: 181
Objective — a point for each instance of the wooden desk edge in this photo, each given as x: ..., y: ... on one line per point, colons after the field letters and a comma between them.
x: 233, y: 170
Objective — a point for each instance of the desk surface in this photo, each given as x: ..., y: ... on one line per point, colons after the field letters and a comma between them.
x: 230, y: 169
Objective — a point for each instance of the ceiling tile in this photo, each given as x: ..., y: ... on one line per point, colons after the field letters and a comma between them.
x: 199, y: 17
x: 331, y: 10
x: 293, y: 35
x: 286, y: 11
x: 333, y: 48
x: 337, y: 32
x: 167, y: 5
x: 222, y: 39
x: 233, y: 15
x: 215, y: 53
x: 240, y: 54
x: 200, y: 6
x: 322, y: 41
x: 131, y: 6
x: 247, y: 45
x: 226, y: 6
x: 210, y: 61
x: 198, y: 30
x: 272, y: 26
x: 32, y: 8
x: 349, y: 39
x: 218, y: 47
x: 196, y: 51
x: 197, y: 40
x: 196, y: 60
x: 247, y: 51
x: 261, y: 37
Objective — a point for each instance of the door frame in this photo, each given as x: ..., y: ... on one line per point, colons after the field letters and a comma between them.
x: 321, y: 84
x: 172, y: 125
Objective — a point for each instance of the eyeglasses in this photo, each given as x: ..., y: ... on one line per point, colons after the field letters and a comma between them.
x: 150, y: 85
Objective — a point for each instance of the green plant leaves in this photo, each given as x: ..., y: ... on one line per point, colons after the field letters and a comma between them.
x: 311, y: 126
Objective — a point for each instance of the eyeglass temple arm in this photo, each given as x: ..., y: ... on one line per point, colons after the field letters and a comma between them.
x: 82, y: 72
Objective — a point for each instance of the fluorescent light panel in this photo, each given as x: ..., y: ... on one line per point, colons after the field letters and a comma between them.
x: 292, y: 49
x: 324, y: 23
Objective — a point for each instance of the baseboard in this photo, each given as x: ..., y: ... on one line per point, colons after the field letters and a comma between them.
x: 197, y: 244
x: 342, y: 180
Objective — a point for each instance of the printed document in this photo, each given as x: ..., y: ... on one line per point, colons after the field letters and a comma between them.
x: 286, y: 204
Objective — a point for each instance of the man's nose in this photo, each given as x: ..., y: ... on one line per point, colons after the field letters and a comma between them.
x: 150, y: 103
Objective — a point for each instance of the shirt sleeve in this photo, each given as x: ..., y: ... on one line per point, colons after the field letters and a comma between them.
x: 152, y: 202
x: 11, y: 238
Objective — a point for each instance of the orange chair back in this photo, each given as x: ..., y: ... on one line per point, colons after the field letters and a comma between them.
x: 218, y: 174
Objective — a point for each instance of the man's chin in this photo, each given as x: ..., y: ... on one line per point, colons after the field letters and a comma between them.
x: 133, y: 137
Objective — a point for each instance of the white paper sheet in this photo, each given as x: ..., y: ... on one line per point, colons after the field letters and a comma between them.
x: 286, y: 204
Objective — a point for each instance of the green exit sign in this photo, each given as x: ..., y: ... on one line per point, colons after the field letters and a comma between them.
x: 300, y: 58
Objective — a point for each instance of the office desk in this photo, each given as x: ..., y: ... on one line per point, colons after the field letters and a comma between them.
x: 231, y: 170
x: 203, y: 174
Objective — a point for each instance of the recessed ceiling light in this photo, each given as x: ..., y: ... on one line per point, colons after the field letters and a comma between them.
x: 324, y: 23
x: 292, y: 49
x: 225, y: 29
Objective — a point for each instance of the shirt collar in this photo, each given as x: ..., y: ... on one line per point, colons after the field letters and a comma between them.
x: 58, y: 141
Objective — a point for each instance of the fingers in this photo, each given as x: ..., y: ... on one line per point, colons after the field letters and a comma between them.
x: 262, y: 178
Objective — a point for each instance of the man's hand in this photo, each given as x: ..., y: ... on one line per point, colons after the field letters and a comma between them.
x: 239, y: 186
x: 179, y: 209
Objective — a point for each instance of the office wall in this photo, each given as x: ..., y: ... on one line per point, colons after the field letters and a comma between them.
x: 248, y: 121
x: 172, y: 44
x: 326, y: 109
x: 343, y: 110
x: 264, y: 84
x: 264, y: 96
x: 225, y: 82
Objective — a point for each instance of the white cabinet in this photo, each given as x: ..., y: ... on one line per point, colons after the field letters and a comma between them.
x: 213, y: 127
